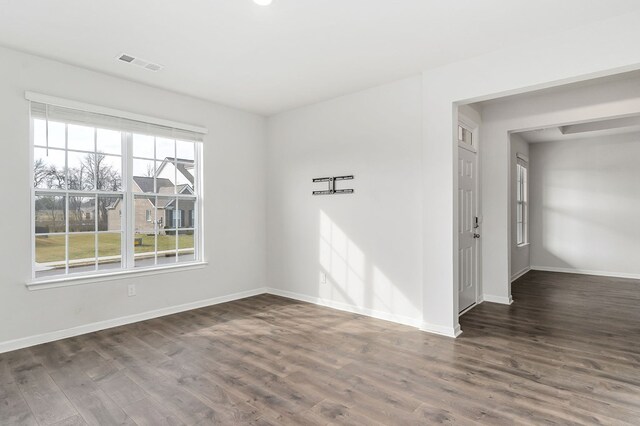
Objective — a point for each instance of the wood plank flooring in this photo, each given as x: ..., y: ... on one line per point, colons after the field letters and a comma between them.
x: 566, y: 352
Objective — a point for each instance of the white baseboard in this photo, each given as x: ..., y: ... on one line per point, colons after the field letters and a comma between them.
x: 587, y: 272
x: 497, y: 299
x: 441, y: 330
x: 400, y: 319
x: 25, y: 342
x: 519, y: 274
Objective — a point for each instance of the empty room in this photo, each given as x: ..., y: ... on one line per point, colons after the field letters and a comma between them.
x: 296, y: 212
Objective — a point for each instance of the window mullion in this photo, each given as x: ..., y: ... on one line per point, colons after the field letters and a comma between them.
x: 33, y: 195
x: 198, y: 248
x: 95, y: 197
x: 127, y: 231
x: 95, y: 229
x: 66, y: 199
x: 156, y: 230
x: 177, y: 222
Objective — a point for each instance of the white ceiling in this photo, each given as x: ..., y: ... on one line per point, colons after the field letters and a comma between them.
x: 294, y: 52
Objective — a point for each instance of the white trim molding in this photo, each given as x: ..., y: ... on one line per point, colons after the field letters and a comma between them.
x: 385, y: 316
x: 497, y: 299
x: 587, y: 272
x: 69, y: 280
x: 25, y: 342
x: 519, y: 274
x: 441, y: 330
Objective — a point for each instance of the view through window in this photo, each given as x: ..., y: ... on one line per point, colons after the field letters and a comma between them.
x: 108, y: 199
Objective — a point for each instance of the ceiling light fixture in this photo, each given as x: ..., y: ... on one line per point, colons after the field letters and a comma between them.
x: 262, y: 2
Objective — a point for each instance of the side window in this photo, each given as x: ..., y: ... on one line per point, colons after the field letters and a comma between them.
x: 522, y: 200
x: 465, y: 135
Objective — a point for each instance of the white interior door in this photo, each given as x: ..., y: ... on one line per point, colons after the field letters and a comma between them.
x: 467, y: 228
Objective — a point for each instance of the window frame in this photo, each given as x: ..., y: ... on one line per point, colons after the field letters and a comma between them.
x: 522, y: 201
x: 464, y: 128
x: 126, y: 211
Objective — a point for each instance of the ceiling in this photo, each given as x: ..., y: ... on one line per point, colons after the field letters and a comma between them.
x: 592, y: 129
x: 292, y: 53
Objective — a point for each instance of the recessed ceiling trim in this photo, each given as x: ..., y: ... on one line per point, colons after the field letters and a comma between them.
x: 595, y: 126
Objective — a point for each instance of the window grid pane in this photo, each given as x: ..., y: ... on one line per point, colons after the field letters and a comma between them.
x: 81, y: 209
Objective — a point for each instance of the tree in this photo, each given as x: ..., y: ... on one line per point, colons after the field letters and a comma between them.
x: 150, y: 172
x: 95, y: 168
x: 40, y: 172
x: 93, y: 172
x: 47, y: 176
x: 50, y: 214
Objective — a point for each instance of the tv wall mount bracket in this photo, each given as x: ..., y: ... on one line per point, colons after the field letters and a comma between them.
x: 332, y: 185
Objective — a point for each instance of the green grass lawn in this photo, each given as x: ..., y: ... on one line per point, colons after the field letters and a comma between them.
x: 82, y: 246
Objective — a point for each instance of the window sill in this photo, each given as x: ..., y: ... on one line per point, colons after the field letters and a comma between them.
x: 523, y: 245
x: 111, y: 276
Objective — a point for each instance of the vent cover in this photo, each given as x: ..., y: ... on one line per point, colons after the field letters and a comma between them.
x: 140, y: 62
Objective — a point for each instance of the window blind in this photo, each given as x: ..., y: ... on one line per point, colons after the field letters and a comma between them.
x: 82, y: 114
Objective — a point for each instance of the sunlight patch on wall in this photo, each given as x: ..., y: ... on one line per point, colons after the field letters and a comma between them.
x: 343, y: 262
x: 352, y: 278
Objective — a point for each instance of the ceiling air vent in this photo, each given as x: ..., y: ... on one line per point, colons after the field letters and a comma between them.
x: 139, y: 62
x: 126, y: 58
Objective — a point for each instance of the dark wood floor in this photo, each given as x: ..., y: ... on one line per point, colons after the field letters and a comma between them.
x: 567, y: 352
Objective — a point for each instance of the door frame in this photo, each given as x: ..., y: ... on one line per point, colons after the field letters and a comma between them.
x: 474, y: 128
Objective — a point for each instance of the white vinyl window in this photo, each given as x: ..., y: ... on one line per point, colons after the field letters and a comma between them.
x: 522, y: 201
x: 103, y: 189
x: 465, y: 135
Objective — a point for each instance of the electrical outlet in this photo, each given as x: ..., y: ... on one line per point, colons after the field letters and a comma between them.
x: 131, y: 290
x: 323, y: 278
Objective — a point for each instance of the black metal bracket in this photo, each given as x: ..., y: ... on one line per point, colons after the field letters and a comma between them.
x: 332, y: 185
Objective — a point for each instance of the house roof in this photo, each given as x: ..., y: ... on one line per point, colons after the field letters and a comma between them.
x: 145, y: 183
x: 181, y: 166
x: 165, y: 187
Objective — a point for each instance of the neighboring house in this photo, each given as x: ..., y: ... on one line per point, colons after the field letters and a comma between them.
x: 163, y: 211
x: 183, y: 173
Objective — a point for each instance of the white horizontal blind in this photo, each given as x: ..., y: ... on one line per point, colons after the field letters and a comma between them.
x: 73, y: 116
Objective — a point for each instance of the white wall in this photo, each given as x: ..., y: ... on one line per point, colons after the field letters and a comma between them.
x: 585, y: 201
x: 520, y: 256
x: 235, y: 225
x: 369, y: 243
